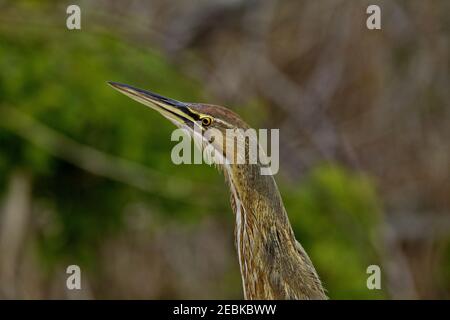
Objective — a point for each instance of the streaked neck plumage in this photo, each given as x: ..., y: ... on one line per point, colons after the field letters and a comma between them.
x: 273, y: 264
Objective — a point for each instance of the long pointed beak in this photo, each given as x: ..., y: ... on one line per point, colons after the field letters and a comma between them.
x: 176, y: 111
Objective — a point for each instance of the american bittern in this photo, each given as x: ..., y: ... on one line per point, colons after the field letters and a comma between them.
x: 273, y: 264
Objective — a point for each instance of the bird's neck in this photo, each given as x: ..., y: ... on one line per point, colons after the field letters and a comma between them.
x: 273, y: 264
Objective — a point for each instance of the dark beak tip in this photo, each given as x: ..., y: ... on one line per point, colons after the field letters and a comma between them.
x: 113, y: 84
x: 154, y: 96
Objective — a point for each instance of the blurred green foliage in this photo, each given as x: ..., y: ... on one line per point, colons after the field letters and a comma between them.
x: 64, y: 87
x: 336, y: 214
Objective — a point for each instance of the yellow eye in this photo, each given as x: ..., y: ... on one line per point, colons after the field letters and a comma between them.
x: 206, y: 121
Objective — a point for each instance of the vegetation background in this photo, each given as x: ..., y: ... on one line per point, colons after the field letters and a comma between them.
x: 86, y: 176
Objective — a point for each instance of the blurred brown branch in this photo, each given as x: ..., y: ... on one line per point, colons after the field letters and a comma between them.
x: 13, y: 230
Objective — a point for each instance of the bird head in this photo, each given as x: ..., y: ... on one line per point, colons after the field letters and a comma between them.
x: 201, y: 121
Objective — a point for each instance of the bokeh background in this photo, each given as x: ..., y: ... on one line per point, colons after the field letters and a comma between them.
x: 86, y: 176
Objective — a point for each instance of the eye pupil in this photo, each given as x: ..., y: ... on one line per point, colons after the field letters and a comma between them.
x: 206, y: 121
